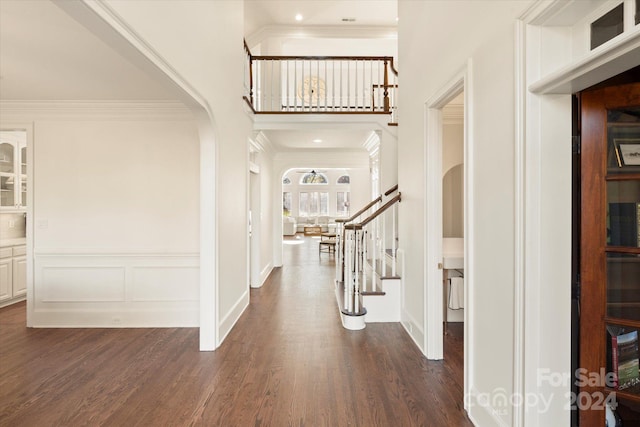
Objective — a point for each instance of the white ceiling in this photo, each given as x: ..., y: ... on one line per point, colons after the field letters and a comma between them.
x: 46, y: 55
x: 331, y: 139
x: 262, y: 13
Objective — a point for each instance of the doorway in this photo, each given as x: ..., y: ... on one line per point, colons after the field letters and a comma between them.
x: 453, y: 212
x: 255, y: 227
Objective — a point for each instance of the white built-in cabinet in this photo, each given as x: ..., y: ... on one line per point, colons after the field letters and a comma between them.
x: 13, y: 174
x: 13, y: 274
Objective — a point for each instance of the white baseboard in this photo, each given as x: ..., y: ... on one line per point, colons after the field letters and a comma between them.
x: 413, y: 328
x: 116, y: 318
x: 482, y: 413
x: 12, y: 301
x: 230, y: 319
x: 264, y: 274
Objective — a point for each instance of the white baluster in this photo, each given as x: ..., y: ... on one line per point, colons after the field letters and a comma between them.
x: 364, y: 260
x: 394, y: 247
x: 355, y: 269
x: 383, y: 251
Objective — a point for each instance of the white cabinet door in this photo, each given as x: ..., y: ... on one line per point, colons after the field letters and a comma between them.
x: 19, y: 276
x: 6, y: 279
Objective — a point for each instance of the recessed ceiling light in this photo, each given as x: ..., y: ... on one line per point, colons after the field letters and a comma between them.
x: 298, y: 17
x: 317, y: 141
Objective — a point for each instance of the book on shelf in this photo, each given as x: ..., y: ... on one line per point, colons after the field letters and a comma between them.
x: 625, y: 360
x: 624, y: 224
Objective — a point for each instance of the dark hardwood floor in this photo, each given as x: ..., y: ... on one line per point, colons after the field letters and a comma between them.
x: 288, y: 362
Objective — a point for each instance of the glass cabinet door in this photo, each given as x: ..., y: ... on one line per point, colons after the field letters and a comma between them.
x: 13, y: 169
x: 7, y: 174
x: 610, y: 249
x: 23, y: 175
x: 623, y: 258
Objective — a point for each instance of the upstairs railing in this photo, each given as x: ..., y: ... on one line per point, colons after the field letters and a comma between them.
x: 321, y: 84
x: 367, y: 250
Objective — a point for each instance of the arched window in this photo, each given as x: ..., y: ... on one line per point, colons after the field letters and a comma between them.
x: 286, y: 180
x: 314, y: 178
x: 344, y: 179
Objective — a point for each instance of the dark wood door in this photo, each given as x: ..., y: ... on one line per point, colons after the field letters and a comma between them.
x: 610, y: 254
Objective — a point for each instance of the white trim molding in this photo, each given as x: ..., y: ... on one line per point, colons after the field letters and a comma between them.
x: 98, y: 110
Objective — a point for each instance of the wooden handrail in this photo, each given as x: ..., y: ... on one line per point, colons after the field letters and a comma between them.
x: 325, y: 58
x: 393, y: 68
x: 246, y: 49
x: 263, y: 93
x: 391, y: 190
x: 371, y: 203
x: 361, y: 211
x: 384, y: 207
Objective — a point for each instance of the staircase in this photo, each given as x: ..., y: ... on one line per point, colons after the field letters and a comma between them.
x: 368, y: 264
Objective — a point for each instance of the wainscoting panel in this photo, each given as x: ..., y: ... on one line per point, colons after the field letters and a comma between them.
x: 115, y: 289
x: 165, y: 283
x: 82, y: 283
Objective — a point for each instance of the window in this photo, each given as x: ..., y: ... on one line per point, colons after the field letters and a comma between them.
x: 342, y: 203
x: 314, y: 178
x: 344, y: 179
x: 314, y: 203
x: 286, y: 203
x: 607, y: 26
x: 286, y: 181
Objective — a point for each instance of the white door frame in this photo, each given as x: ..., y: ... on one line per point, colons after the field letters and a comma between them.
x: 433, y: 199
x: 254, y: 226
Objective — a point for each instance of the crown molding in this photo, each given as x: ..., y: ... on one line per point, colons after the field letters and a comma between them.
x: 453, y: 114
x: 372, y: 143
x: 98, y: 110
x: 322, y: 31
x: 260, y: 142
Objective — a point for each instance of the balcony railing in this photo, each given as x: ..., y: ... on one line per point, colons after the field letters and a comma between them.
x: 321, y: 84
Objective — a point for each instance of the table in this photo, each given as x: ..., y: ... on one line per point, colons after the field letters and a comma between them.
x: 312, y: 230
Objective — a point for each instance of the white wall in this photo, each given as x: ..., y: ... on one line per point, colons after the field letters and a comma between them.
x: 115, y: 214
x: 433, y: 51
x: 202, y: 46
x: 388, y: 161
x: 452, y: 180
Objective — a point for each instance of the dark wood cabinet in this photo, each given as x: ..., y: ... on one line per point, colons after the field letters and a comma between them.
x: 610, y: 251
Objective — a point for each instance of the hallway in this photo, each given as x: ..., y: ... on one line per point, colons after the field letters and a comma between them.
x: 288, y: 361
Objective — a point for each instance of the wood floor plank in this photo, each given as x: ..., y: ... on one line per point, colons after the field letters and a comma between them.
x: 287, y: 362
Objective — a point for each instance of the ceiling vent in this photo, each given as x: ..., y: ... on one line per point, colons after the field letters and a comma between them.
x: 348, y: 19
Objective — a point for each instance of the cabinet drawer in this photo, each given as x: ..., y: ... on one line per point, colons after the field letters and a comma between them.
x: 19, y: 250
x: 6, y: 253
